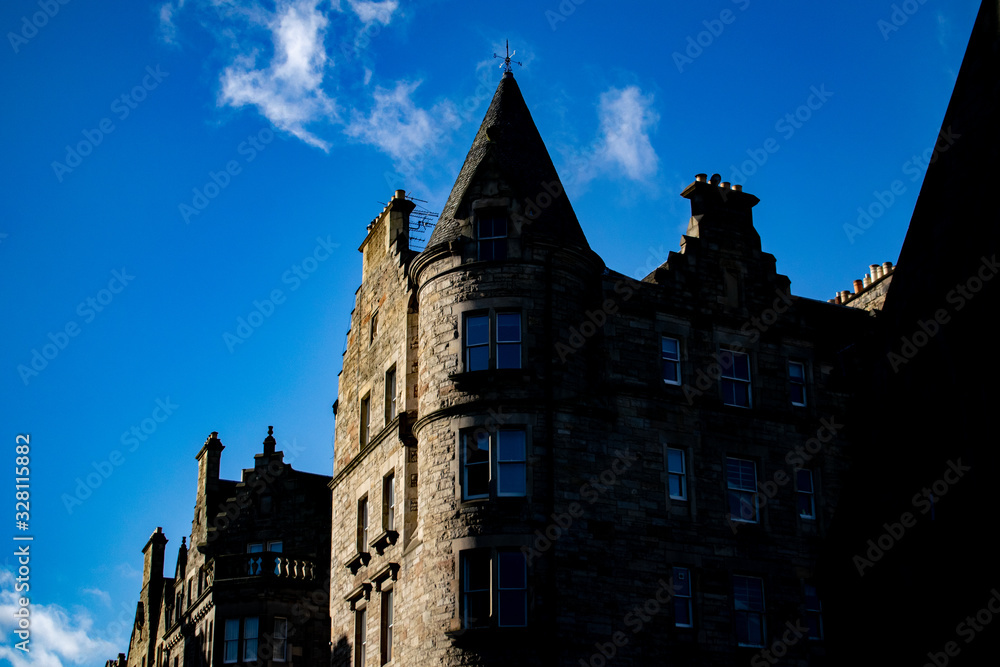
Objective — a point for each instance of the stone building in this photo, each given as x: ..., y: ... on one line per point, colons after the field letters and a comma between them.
x: 542, y: 461
x: 252, y: 588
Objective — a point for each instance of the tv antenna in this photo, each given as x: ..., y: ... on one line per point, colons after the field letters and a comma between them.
x: 507, y: 60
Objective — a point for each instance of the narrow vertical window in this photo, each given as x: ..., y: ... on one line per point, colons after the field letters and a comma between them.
x: 804, y: 492
x: 670, y: 355
x: 477, y: 343
x: 250, y: 638
x: 814, y: 613
x: 389, y: 502
x: 475, y: 588
x: 512, y: 589
x: 365, y: 421
x: 254, y: 560
x: 360, y: 637
x: 511, y: 462
x: 280, y: 650
x: 508, y: 340
x: 741, y: 480
x: 797, y: 382
x: 683, y: 617
x: 735, y: 378
x: 390, y: 395
x: 491, y: 232
x: 373, y: 328
x: 363, y: 525
x: 677, y: 474
x: 386, y: 627
x: 230, y: 645
x: 476, y: 465
x: 748, y: 602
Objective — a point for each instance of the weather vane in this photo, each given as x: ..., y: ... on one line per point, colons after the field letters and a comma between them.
x: 506, y: 60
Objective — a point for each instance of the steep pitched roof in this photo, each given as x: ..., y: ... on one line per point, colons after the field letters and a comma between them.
x: 508, y: 142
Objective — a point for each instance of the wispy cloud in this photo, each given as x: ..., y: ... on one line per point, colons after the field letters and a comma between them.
x: 103, y: 596
x: 57, y: 637
x: 398, y: 127
x: 288, y: 91
x: 374, y: 12
x: 622, y: 146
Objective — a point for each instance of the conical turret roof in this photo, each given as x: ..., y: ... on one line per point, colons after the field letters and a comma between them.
x: 508, y: 142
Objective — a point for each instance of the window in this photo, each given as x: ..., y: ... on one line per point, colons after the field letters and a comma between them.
x: 389, y: 502
x: 230, y: 644
x: 814, y: 613
x: 373, y: 328
x: 365, y: 419
x: 390, y: 394
x: 683, y: 617
x: 386, y: 627
x: 491, y: 231
x: 478, y: 593
x: 363, y: 525
x: 360, y: 637
x: 748, y: 602
x: 494, y: 464
x: 741, y: 480
x: 670, y: 353
x: 505, y: 352
x: 804, y: 494
x: 254, y: 562
x: 797, y: 382
x: 250, y: 638
x: 676, y: 474
x: 735, y: 378
x: 280, y: 650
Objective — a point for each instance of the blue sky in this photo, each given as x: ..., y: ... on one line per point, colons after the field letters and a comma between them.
x: 167, y: 165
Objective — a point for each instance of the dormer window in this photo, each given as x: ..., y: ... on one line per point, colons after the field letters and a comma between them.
x: 491, y: 235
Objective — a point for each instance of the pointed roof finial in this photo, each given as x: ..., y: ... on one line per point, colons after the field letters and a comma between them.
x: 269, y: 441
x: 507, y: 59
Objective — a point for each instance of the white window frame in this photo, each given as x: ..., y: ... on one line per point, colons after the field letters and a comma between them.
x: 490, y: 559
x: 231, y: 641
x: 675, y: 359
x: 739, y: 487
x: 494, y: 240
x: 279, y: 652
x: 746, y: 613
x: 728, y: 375
x: 250, y: 643
x: 809, y: 494
x: 386, y: 626
x: 493, y: 342
x: 680, y: 475
x: 682, y: 599
x: 499, y: 468
x: 360, y: 636
x: 799, y: 382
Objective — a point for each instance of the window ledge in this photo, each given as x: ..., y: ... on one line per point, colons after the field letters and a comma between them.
x: 388, y: 571
x: 354, y: 597
x: 492, y: 375
x: 357, y: 561
x: 383, y: 540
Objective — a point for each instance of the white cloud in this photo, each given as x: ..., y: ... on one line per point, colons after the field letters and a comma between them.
x: 626, y: 118
x: 399, y: 128
x: 374, y: 12
x: 57, y: 638
x: 103, y: 596
x: 289, y: 91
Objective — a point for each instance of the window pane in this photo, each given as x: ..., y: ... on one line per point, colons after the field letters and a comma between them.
x: 741, y: 474
x: 804, y: 480
x: 511, y: 479
x: 675, y: 460
x: 676, y: 486
x: 509, y: 355
x: 670, y: 349
x: 513, y: 608
x: 510, y: 445
x: 477, y: 330
x: 511, y: 570
x: 796, y: 371
x: 250, y: 638
x: 669, y: 370
x: 479, y: 358
x: 741, y: 366
x: 274, y: 546
x: 682, y: 581
x: 742, y: 506
x: 508, y: 327
x: 255, y: 548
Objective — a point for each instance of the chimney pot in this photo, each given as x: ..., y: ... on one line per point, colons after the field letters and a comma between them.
x: 859, y: 286
x: 887, y: 267
x: 866, y: 281
x: 701, y: 178
x: 725, y: 185
x: 400, y: 194
x: 738, y: 188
